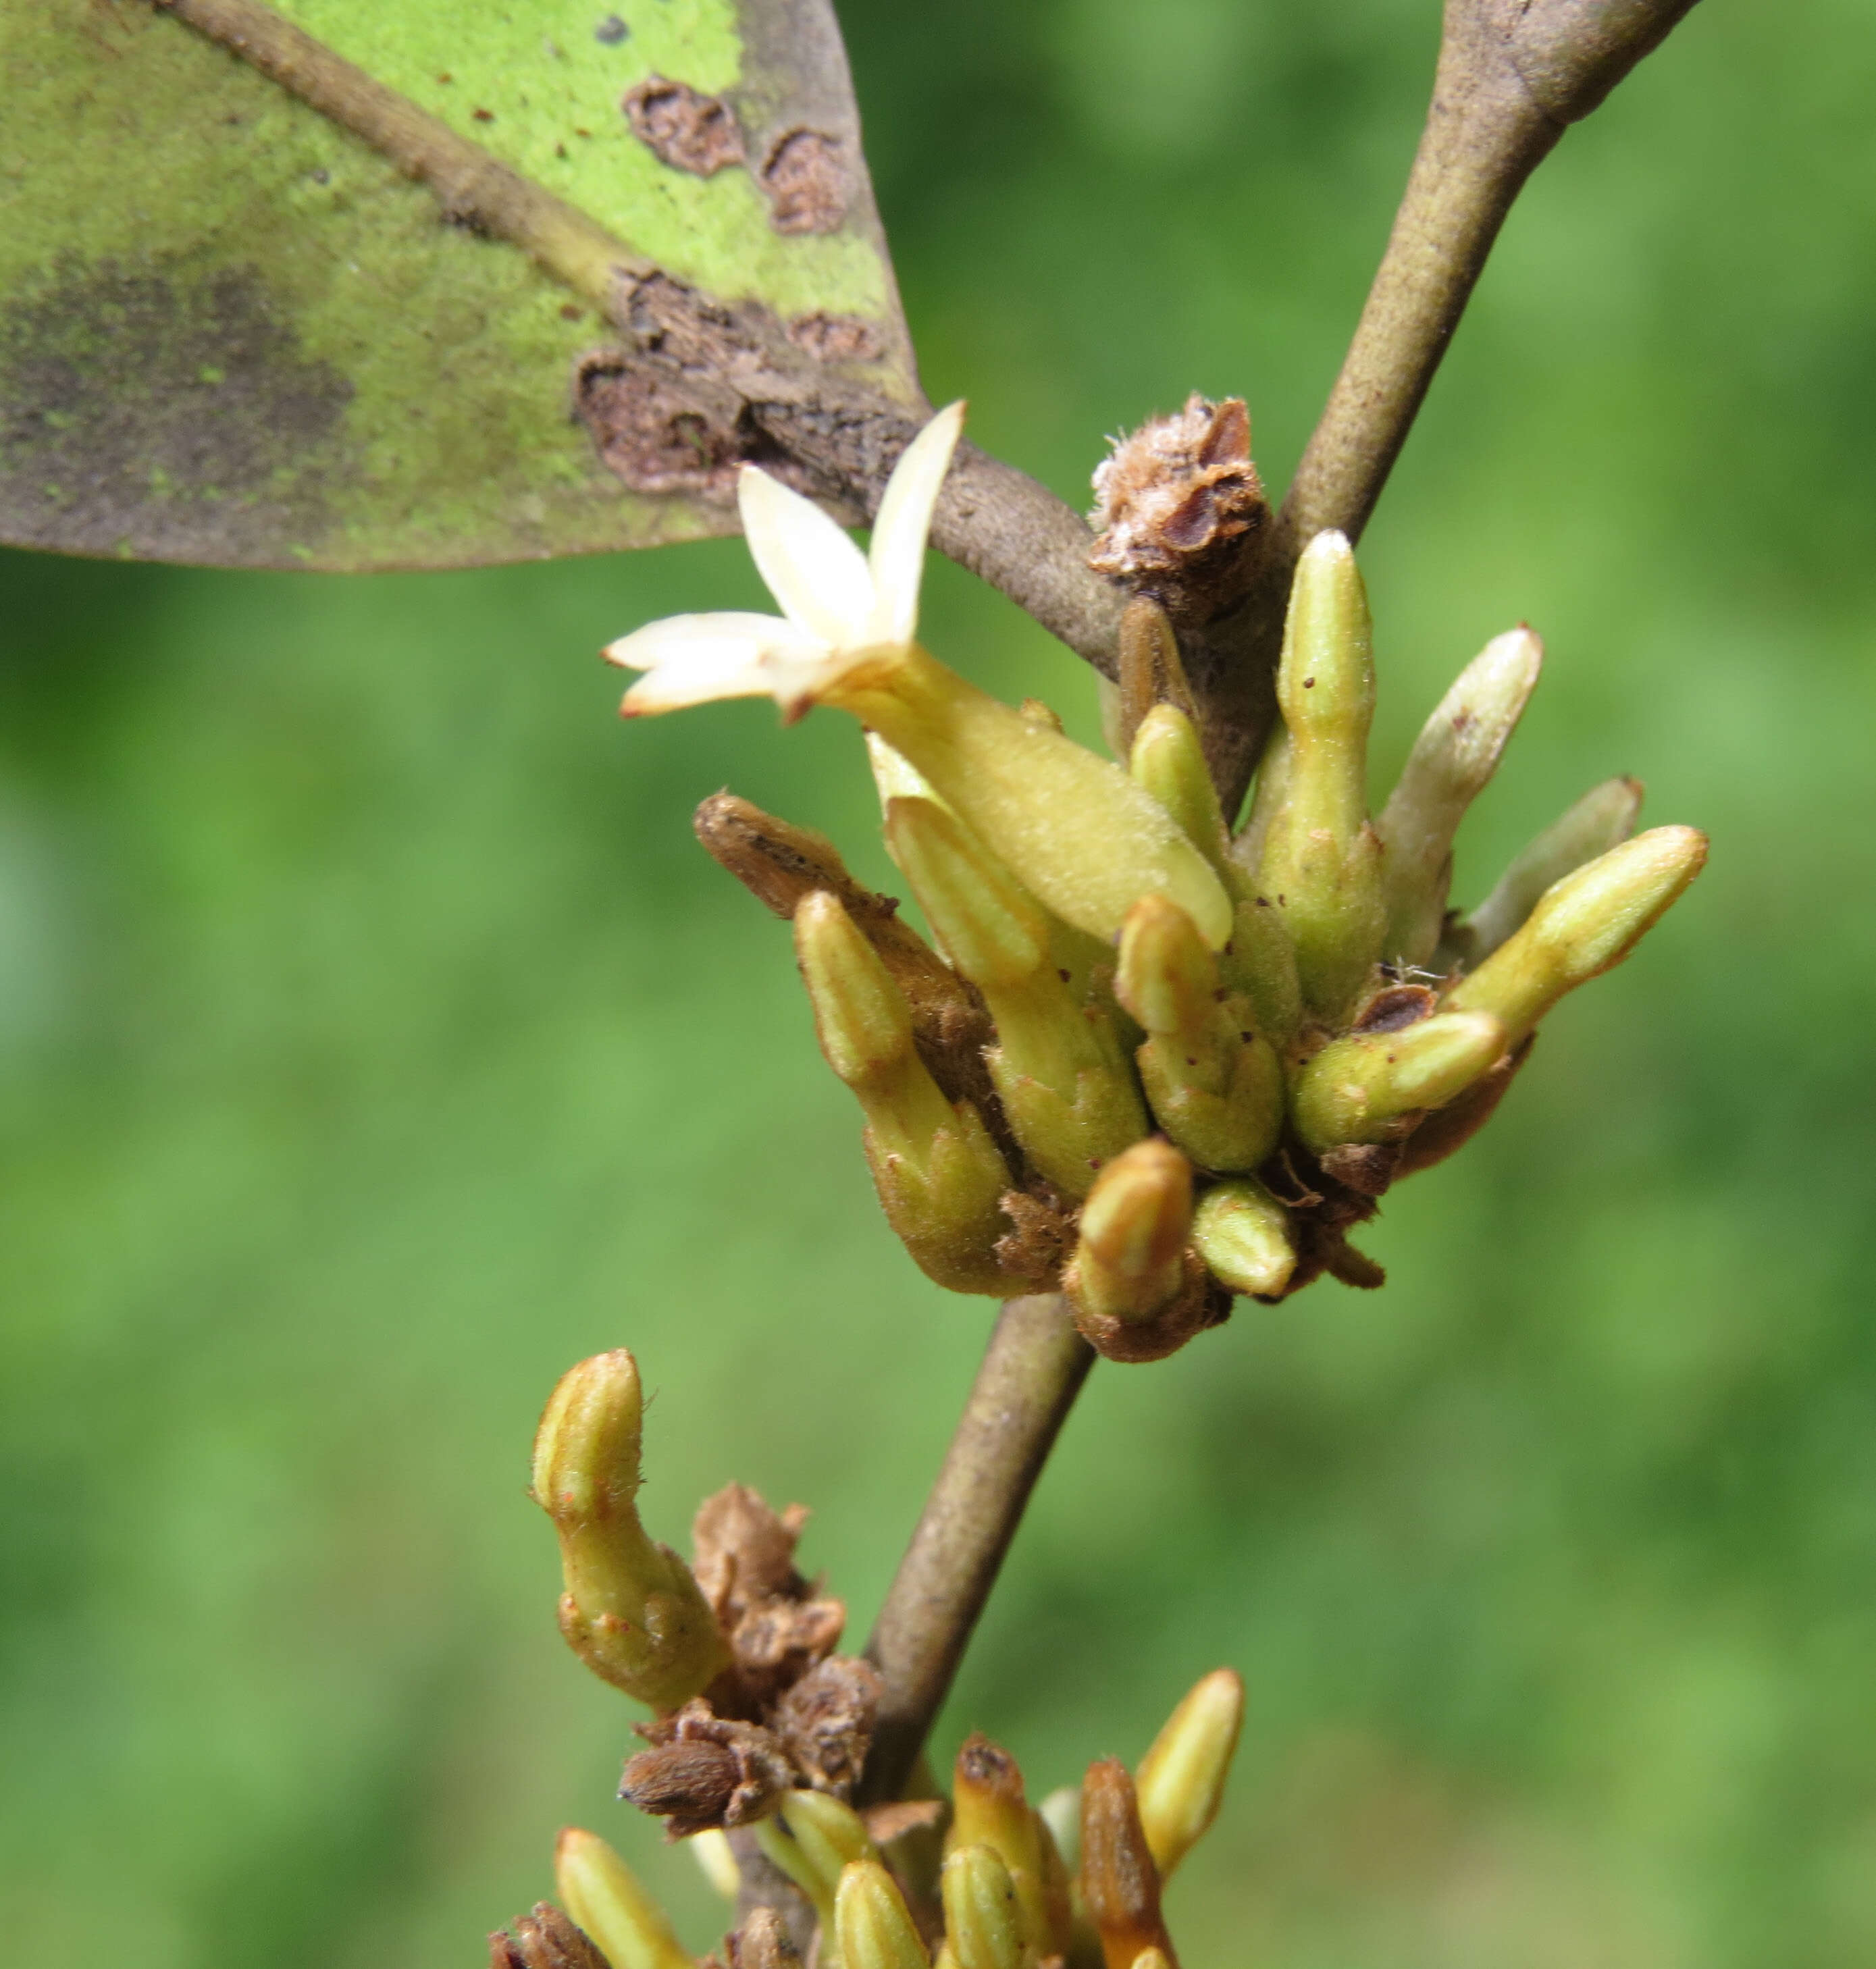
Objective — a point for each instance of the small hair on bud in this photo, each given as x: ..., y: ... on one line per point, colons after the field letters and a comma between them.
x: 1181, y: 1779
x: 603, y: 1896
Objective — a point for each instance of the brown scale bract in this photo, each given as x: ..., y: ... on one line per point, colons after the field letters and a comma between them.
x: 545, y: 1939
x: 1180, y: 510
x: 689, y: 132
x: 704, y: 1771
x: 777, y: 1625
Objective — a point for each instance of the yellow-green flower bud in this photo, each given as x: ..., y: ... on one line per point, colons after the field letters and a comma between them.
x: 813, y: 1838
x: 1362, y: 1089
x: 939, y: 1176
x: 1260, y: 961
x: 1454, y: 757
x: 1603, y: 819
x: 631, y: 1611
x: 1079, y: 833
x: 1242, y: 1232
x: 1119, y: 1881
x: 1214, y: 1084
x: 989, y: 1809
x: 872, y: 1926
x: 1267, y: 796
x: 1169, y: 762
x: 716, y: 1860
x: 1582, y: 926
x: 1181, y: 1779
x: 1057, y: 1065
x: 1130, y: 1256
x: 602, y: 1895
x: 1321, y: 862
x: 983, y: 1919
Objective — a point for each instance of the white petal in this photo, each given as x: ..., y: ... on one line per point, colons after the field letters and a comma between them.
x: 905, y: 511
x: 812, y: 569
x: 697, y: 659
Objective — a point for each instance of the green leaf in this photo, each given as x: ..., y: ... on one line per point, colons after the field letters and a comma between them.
x: 232, y: 333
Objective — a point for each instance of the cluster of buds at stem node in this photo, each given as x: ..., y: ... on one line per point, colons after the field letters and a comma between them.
x: 982, y: 1879
x: 1147, y: 1057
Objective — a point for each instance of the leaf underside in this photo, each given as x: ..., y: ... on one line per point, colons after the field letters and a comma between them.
x: 231, y: 333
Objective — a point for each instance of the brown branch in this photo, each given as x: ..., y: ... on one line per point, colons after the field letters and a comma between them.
x: 1510, y: 77
x: 1512, y: 74
x: 1031, y: 1374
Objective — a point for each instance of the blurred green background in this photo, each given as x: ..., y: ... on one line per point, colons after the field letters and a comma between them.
x: 375, y: 1041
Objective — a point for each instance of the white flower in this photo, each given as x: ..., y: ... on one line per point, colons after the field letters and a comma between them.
x: 838, y: 605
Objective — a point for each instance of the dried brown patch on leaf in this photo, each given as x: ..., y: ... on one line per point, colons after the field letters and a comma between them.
x: 652, y: 431
x: 1394, y: 1007
x: 545, y: 1939
x: 704, y: 1771
x: 837, y: 338
x: 825, y: 1721
x: 806, y: 176
x: 1180, y: 511
x: 681, y: 128
x: 1367, y: 1168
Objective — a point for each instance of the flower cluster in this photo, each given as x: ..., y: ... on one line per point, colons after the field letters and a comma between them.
x: 762, y: 1730
x: 1152, y: 1062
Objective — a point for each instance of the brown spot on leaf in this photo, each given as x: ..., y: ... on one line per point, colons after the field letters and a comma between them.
x: 650, y: 432
x: 167, y: 410
x: 681, y: 128
x: 806, y: 177
x: 825, y: 1721
x: 837, y: 338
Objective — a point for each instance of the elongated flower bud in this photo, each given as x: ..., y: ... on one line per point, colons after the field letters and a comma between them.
x: 1242, y: 1232
x: 990, y: 1809
x: 1129, y: 1258
x: 603, y: 1896
x: 871, y: 1926
x: 1214, y: 1084
x: 1452, y: 759
x: 1169, y: 762
x: 1181, y: 1779
x: 631, y: 1611
x: 1603, y: 819
x: 939, y: 1177
x: 1321, y: 863
x: 1119, y: 1881
x: 1076, y: 831
x: 983, y: 1919
x: 1057, y: 1065
x: 1358, y: 1089
x: 716, y: 1860
x: 813, y: 1838
x: 1584, y: 925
